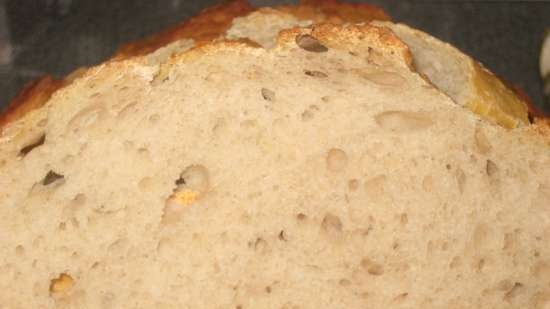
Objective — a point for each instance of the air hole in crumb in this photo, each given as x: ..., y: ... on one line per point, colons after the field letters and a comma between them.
x: 154, y: 118
x: 307, y: 115
x: 344, y: 282
x: 301, y: 217
x: 145, y: 183
x: 38, y: 242
x: 128, y: 109
x: 480, y: 265
x: 384, y: 78
x: 404, y: 219
x: 191, y: 186
x: 482, y: 141
x: 455, y: 262
x: 32, y: 145
x: 43, y: 122
x: 282, y: 235
x: 403, y: 121
x: 316, y: 74
x: 353, y: 184
x: 260, y: 245
x: 52, y: 177
x: 62, y: 226
x: 376, y: 270
x: 162, y: 75
x: 460, y: 179
x: 401, y: 297
x: 20, y: 251
x: 336, y: 160
x: 491, y: 168
x: 194, y: 177
x: 268, y: 289
x: 514, y: 291
x: 268, y: 95
x: 118, y: 247
x: 86, y: 117
x: 372, y: 267
x: 331, y: 224
x: 75, y: 223
x: 504, y: 285
x: 375, y: 187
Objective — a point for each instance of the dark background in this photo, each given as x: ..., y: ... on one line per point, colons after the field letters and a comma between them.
x: 40, y: 37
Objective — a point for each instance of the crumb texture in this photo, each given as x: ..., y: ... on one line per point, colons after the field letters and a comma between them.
x: 285, y: 178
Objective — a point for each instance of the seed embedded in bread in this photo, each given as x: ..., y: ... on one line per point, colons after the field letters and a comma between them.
x: 310, y: 43
x: 314, y: 73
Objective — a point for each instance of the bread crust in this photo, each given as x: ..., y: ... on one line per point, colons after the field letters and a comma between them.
x: 208, y: 25
x: 334, y: 11
x: 33, y: 95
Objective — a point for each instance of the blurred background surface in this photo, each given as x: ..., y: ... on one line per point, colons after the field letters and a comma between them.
x: 40, y: 37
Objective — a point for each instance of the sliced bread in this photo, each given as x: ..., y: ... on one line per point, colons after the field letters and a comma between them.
x: 465, y: 80
x: 321, y: 173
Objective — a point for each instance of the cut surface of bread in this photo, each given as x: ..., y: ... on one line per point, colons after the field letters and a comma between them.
x: 321, y: 173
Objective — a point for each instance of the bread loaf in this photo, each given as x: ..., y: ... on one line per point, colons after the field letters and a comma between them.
x: 465, y: 80
x: 322, y: 172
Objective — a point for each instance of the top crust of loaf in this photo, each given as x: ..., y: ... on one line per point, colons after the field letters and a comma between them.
x: 334, y: 11
x: 352, y: 38
x: 211, y: 23
x: 473, y: 85
x: 34, y: 95
x: 208, y: 25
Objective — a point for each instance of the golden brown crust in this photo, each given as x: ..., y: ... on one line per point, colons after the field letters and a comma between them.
x: 352, y: 37
x: 34, y: 95
x: 532, y: 110
x: 542, y: 127
x: 334, y: 11
x: 208, y: 25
